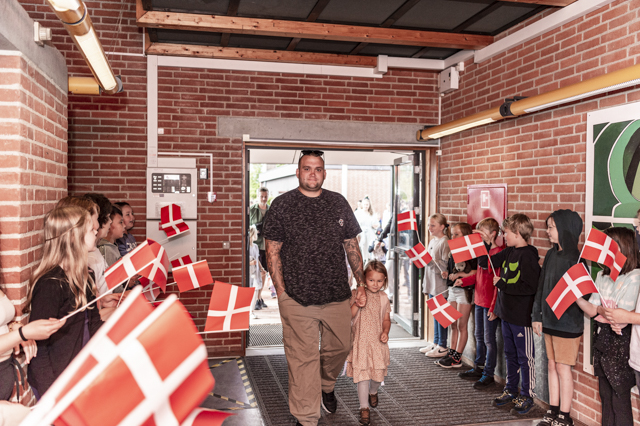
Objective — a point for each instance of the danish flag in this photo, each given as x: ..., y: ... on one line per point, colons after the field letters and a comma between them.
x: 205, y: 417
x: 467, y: 247
x: 442, y: 311
x: 181, y: 261
x: 229, y: 308
x: 419, y: 255
x: 157, y: 269
x: 193, y: 275
x: 127, y: 374
x: 131, y: 264
x: 171, y: 220
x: 602, y: 249
x: 575, y: 283
x: 407, y: 221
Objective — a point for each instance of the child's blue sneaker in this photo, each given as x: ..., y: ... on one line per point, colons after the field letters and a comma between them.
x: 524, y: 404
x: 504, y: 399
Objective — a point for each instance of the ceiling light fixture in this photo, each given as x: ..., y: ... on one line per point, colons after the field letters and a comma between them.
x: 616, y: 80
x: 74, y: 16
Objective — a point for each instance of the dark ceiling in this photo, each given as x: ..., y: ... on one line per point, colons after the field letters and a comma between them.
x: 471, y: 17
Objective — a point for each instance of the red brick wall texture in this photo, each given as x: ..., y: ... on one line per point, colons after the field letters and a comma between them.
x: 541, y: 156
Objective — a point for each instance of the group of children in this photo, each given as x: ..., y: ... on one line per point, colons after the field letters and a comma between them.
x: 83, y: 236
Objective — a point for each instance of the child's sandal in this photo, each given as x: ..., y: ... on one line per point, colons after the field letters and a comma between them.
x: 365, y: 416
x: 373, y: 400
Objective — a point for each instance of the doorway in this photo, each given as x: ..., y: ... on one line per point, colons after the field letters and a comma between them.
x: 392, y: 178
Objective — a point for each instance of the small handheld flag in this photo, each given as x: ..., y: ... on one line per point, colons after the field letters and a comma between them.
x: 192, y: 276
x: 419, y: 255
x: 575, y: 283
x: 181, y: 261
x: 442, y: 311
x: 229, y: 308
x: 407, y: 221
x: 601, y: 248
x: 171, y: 221
x: 467, y: 247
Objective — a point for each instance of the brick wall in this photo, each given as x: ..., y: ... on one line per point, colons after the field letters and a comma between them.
x: 541, y: 156
x: 33, y: 167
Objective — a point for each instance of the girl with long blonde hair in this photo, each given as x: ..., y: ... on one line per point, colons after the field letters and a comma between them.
x: 60, y: 285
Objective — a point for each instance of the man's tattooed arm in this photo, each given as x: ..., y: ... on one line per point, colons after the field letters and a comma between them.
x: 354, y: 257
x: 274, y: 264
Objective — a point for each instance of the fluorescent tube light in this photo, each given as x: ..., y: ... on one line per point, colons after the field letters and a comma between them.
x: 92, y: 49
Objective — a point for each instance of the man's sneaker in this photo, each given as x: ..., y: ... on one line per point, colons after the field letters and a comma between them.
x: 450, y: 362
x: 504, y: 399
x: 484, y: 382
x: 427, y: 348
x: 547, y: 419
x: 524, y: 404
x: 473, y: 374
x: 437, y: 352
x: 562, y: 421
x: 329, y: 402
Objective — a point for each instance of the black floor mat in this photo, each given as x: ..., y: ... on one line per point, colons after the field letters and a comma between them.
x: 416, y: 392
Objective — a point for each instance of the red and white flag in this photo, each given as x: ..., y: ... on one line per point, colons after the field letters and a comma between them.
x: 157, y: 269
x: 575, y: 283
x: 602, y: 249
x: 181, y: 261
x: 131, y: 264
x: 142, y: 367
x: 206, y: 417
x: 192, y: 275
x: 467, y: 247
x: 442, y: 311
x: 171, y: 220
x: 407, y: 221
x: 229, y: 308
x: 419, y: 255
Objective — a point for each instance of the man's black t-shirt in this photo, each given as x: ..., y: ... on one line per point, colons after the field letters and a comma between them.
x: 312, y: 231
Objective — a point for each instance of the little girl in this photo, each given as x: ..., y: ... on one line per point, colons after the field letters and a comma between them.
x: 434, y: 283
x: 59, y: 285
x: 369, y: 357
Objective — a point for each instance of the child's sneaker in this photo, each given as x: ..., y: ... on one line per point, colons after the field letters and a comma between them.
x: 474, y: 374
x: 428, y: 348
x: 524, y: 404
x: 437, y: 352
x: 451, y: 361
x: 365, y: 416
x: 561, y: 420
x: 504, y: 399
x: 484, y: 382
x: 547, y: 419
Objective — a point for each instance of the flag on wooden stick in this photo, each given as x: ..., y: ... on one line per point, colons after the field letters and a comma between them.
x: 407, y: 221
x: 467, y: 247
x: 171, y: 221
x: 575, y: 283
x: 229, y: 308
x: 181, y: 261
x: 601, y: 248
x: 192, y: 276
x: 419, y: 255
x: 442, y: 311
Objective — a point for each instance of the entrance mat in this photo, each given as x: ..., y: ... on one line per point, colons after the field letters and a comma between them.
x: 416, y: 392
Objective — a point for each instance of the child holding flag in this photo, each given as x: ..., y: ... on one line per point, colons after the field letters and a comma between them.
x: 611, y: 347
x: 561, y: 336
x: 369, y: 357
x: 517, y: 286
x: 434, y: 284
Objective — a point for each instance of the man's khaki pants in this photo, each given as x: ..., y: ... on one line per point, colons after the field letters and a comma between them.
x: 311, y: 370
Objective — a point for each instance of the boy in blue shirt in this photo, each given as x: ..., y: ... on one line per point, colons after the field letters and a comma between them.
x: 517, y: 286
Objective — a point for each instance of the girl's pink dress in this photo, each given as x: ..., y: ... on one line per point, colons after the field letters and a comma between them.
x: 369, y: 357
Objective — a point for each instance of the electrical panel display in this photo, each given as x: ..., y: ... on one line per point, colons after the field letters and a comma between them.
x: 169, y: 183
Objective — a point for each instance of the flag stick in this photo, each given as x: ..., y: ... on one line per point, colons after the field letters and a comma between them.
x: 82, y: 308
x: 121, y: 296
x: 155, y: 288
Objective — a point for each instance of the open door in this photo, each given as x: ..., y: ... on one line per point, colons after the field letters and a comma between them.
x: 407, y: 196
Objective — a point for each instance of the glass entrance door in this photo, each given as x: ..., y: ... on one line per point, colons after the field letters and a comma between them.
x: 406, y: 197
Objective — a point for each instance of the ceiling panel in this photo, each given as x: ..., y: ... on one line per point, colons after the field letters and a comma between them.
x: 368, y: 12
x: 217, y: 7
x: 507, y: 13
x: 187, y: 37
x: 276, y: 9
x: 390, y: 49
x: 325, y: 46
x: 436, y: 53
x: 441, y: 14
x: 258, y: 42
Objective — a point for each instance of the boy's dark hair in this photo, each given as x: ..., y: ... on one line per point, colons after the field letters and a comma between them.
x: 626, y: 240
x: 104, y: 205
x: 121, y: 204
x: 115, y: 211
x: 490, y: 223
x: 521, y: 224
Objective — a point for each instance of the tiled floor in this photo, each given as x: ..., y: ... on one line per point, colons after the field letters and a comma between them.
x: 233, y: 391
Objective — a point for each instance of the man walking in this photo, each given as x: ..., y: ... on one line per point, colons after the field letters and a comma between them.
x: 307, y: 232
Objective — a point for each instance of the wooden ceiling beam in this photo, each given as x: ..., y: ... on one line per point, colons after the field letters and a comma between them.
x: 313, y: 15
x: 312, y: 30
x: 557, y: 3
x: 232, y: 10
x: 215, y: 52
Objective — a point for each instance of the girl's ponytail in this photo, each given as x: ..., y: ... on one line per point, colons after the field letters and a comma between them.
x: 442, y: 220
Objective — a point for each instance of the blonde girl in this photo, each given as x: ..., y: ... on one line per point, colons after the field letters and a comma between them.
x: 434, y: 283
x: 59, y: 285
x: 460, y: 279
x: 369, y: 357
